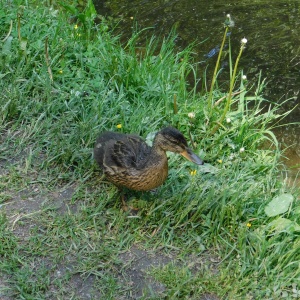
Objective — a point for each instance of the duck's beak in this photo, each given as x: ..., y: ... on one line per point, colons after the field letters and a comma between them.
x: 191, y: 156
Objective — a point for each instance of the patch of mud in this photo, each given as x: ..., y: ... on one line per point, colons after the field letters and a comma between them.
x: 32, y: 201
x: 133, y: 281
x: 77, y: 287
x: 209, y: 297
x: 4, y: 288
x: 137, y: 262
x: 84, y: 288
x: 61, y: 200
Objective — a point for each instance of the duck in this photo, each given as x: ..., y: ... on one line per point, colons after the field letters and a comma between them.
x: 128, y: 161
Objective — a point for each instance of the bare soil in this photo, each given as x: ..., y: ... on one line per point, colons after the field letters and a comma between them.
x: 24, y: 205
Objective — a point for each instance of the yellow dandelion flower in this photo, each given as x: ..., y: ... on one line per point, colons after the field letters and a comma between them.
x: 75, y: 26
x: 119, y: 126
x: 219, y: 161
x: 249, y: 225
x: 193, y: 172
x: 60, y: 71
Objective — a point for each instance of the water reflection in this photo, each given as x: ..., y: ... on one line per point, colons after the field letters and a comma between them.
x: 271, y: 27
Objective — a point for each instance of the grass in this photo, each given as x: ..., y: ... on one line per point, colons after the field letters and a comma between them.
x: 62, y: 232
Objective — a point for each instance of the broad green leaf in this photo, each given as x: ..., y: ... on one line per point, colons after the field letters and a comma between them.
x: 281, y: 224
x: 279, y: 205
x: 297, y: 210
x: 295, y: 227
x: 208, y: 168
x: 6, y: 48
x: 23, y: 44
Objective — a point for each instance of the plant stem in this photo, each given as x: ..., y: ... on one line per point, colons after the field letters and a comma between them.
x: 214, y: 78
x: 229, y: 97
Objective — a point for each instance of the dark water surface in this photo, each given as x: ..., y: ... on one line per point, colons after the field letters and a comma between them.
x: 272, y: 28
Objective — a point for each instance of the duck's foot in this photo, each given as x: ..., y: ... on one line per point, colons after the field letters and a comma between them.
x: 124, y: 204
x: 125, y: 207
x: 154, y: 191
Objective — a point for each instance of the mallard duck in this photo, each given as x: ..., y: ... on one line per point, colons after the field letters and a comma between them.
x: 127, y: 161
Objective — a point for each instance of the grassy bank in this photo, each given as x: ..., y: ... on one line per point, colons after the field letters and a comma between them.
x: 208, y: 233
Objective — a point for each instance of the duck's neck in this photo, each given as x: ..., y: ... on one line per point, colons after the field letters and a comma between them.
x: 157, y: 156
x: 157, y: 151
x: 157, y: 162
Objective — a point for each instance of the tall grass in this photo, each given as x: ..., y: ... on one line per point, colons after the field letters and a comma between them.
x: 64, y: 82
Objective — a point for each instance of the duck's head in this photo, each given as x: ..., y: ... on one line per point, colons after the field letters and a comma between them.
x: 171, y: 139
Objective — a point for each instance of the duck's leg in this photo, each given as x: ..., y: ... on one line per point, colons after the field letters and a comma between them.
x: 122, y: 195
x: 126, y: 207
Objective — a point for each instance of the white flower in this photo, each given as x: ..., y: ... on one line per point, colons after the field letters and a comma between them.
x: 231, y: 156
x: 244, y: 77
x: 228, y: 120
x: 244, y: 41
x: 228, y: 22
x: 242, y: 150
x: 191, y: 115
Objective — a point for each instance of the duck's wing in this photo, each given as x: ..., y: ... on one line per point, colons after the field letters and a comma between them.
x: 131, y: 152
x: 116, y: 152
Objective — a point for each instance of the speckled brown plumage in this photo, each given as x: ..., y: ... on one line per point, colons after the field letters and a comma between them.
x: 128, y: 161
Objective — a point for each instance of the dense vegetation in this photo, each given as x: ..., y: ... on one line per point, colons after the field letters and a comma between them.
x: 64, y: 79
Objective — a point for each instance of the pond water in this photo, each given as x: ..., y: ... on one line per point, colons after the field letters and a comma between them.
x: 272, y: 28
